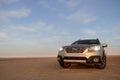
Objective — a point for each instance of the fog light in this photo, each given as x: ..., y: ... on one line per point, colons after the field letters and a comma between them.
x: 96, y: 59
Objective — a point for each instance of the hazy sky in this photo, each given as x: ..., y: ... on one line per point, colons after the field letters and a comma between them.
x: 41, y: 27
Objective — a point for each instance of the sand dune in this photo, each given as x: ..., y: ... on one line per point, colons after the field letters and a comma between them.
x: 49, y: 69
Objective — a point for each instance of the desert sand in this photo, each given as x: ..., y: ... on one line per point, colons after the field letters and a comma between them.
x: 49, y: 69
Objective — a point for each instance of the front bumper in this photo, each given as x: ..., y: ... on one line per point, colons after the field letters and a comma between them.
x: 93, y: 60
x: 83, y: 59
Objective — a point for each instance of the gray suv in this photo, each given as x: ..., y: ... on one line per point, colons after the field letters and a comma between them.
x: 89, y: 51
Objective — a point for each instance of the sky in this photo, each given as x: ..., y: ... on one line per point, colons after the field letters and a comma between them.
x: 38, y: 28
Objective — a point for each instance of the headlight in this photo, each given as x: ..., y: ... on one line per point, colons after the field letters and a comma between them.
x: 95, y: 48
x: 61, y: 49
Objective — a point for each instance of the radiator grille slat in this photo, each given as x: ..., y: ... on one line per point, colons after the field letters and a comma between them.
x: 75, y: 49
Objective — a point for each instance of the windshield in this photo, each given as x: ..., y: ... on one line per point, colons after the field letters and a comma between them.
x: 86, y: 42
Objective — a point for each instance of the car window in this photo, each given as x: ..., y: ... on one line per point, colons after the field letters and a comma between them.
x: 86, y: 42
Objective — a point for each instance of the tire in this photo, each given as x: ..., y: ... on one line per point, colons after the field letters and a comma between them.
x: 103, y: 63
x: 62, y: 63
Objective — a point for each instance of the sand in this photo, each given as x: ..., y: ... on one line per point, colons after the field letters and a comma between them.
x: 49, y: 69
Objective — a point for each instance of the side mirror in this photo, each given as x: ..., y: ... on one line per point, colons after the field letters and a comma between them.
x: 104, y: 45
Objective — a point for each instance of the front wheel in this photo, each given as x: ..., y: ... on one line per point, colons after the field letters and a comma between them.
x: 60, y: 60
x: 103, y: 63
x: 62, y: 63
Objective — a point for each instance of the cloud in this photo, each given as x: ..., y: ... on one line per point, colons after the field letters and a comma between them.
x: 2, y: 36
x: 8, y: 1
x: 62, y: 5
x: 43, y: 26
x: 22, y: 28
x: 46, y: 4
x: 89, y: 32
x: 37, y: 26
x: 7, y: 15
x: 70, y: 4
x: 79, y: 17
x: 65, y: 33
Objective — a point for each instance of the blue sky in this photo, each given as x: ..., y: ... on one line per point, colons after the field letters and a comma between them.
x: 35, y: 28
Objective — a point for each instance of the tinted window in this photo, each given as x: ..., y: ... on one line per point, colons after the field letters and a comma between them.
x: 86, y: 42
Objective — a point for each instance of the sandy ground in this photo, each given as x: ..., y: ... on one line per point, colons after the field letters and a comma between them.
x: 49, y: 69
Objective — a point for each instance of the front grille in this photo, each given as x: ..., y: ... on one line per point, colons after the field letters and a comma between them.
x: 75, y: 49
